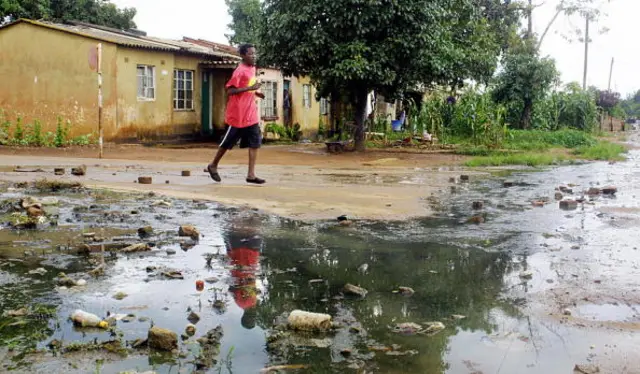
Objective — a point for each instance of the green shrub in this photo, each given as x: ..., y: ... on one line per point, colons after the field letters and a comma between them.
x: 5, y: 129
x: 276, y: 129
x: 601, y: 151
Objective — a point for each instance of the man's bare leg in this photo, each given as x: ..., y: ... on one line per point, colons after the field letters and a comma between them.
x: 253, y: 156
x: 213, y: 166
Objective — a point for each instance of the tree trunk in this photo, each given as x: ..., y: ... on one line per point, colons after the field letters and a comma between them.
x: 526, y: 114
x: 361, y: 118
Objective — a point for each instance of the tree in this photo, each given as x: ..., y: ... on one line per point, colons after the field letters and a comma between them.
x: 99, y: 12
x: 246, y: 18
x: 525, y: 79
x: 351, y: 47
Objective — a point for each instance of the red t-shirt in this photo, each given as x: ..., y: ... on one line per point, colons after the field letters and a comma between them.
x: 245, y: 261
x: 242, y: 110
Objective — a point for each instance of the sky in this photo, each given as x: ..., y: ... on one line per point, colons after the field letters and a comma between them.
x: 208, y: 19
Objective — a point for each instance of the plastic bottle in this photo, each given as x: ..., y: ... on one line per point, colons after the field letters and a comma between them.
x: 84, y: 319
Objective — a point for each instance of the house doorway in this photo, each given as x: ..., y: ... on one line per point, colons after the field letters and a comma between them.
x: 207, y: 103
x: 287, y: 101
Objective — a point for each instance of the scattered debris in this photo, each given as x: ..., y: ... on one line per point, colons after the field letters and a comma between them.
x: 79, y: 171
x: 568, y: 204
x: 508, y: 183
x: 559, y: 196
x: 186, y: 173
x: 19, y: 169
x: 457, y: 317
x: 16, y: 313
x: 66, y: 281
x: 173, y: 274
x: 145, y: 180
x: 566, y: 312
x: 211, y: 280
x: 145, y: 232
x: 405, y: 291
x: 162, y: 203
x: 277, y: 368
x: 565, y: 189
x: 120, y: 296
x: 307, y: 321
x: 351, y: 290
x: 464, y: 178
x: 189, y: 231
x: 140, y: 247
x: 85, y: 319
x: 593, y: 191
x: 526, y: 274
x: 162, y: 339
x: 38, y: 271
x: 193, y: 318
x: 477, y: 205
x: 58, y: 171
x: 609, y: 190
x: 210, y: 344
x: 586, y: 369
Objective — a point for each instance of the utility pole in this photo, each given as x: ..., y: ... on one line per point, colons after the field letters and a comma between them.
x: 586, y: 54
x: 100, y: 131
x: 529, y: 15
x: 610, y: 75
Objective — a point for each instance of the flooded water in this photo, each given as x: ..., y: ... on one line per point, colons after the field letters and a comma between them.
x: 487, y: 283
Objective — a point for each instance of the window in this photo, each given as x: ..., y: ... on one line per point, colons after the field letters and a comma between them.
x: 183, y: 89
x: 306, y: 96
x: 146, y: 82
x: 324, y: 106
x: 270, y: 103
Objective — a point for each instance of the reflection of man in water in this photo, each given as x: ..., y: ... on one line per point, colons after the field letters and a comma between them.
x: 244, y: 251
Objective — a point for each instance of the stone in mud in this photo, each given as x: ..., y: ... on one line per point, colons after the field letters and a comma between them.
x: 526, y: 274
x: 406, y: 291
x: 433, y: 327
x: 190, y: 330
x: 145, y: 180
x: 609, y: 190
x: 186, y: 173
x: 452, y: 180
x: 566, y: 312
x: 457, y: 317
x: 477, y: 205
x: 307, y: 321
x: 16, y: 313
x: 145, y: 232
x: 38, y: 271
x: 120, y: 296
x: 351, y: 290
x: 568, y: 204
x: 464, y: 178
x: 476, y: 220
x: 538, y: 203
x: 508, y: 183
x: 210, y: 344
x: 559, y: 196
x: 565, y: 189
x: 586, y: 369
x: 211, y: 280
x: 58, y: 171
x: 139, y: 343
x: 593, y: 191
x: 140, y: 247
x: 193, y: 318
x: 171, y: 251
x: 173, y: 274
x: 162, y: 339
x: 35, y: 212
x: 79, y: 171
x: 189, y: 231
x: 345, y: 223
x: 64, y: 280
x: 49, y: 201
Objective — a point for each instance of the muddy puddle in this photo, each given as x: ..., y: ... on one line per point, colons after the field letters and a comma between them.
x: 508, y: 287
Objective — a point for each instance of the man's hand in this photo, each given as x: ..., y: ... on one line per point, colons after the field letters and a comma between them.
x: 255, y: 87
x: 260, y: 95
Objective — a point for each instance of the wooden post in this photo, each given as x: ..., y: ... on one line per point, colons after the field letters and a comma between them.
x: 100, y: 131
x: 610, y: 75
x: 586, y: 54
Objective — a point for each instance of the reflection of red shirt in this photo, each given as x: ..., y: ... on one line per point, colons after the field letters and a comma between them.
x: 242, y: 110
x: 245, y: 263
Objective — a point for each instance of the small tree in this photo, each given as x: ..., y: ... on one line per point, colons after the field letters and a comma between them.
x: 247, y: 17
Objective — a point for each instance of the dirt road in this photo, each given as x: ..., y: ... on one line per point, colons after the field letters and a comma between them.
x: 304, y: 182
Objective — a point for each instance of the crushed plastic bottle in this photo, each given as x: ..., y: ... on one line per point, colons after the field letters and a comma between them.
x: 85, y: 319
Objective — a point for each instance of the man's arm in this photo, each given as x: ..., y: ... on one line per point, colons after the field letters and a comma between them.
x: 235, y: 91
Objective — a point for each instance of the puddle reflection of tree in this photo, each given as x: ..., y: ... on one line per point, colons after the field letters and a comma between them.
x: 447, y: 280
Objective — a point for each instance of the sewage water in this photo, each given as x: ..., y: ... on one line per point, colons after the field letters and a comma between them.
x: 261, y: 267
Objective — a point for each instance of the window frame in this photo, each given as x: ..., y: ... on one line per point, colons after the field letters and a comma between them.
x: 273, y: 115
x: 176, y: 90
x: 145, y: 75
x: 324, y: 106
x: 306, y: 96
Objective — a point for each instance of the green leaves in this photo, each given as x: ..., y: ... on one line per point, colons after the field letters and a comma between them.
x: 247, y: 18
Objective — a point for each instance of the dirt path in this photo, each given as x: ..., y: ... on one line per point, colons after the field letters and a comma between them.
x: 304, y: 181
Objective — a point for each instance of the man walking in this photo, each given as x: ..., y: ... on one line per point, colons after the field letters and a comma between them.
x: 241, y: 116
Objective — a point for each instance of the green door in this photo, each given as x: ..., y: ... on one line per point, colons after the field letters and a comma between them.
x: 207, y: 105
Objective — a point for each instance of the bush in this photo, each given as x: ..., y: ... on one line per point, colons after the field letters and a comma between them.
x: 276, y: 129
x: 601, y: 151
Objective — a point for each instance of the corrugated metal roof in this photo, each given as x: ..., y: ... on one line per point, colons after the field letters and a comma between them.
x: 129, y: 39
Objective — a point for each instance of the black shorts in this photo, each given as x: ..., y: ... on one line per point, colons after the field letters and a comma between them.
x: 250, y: 137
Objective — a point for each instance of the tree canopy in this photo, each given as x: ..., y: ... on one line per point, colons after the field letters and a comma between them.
x: 99, y: 12
x: 352, y: 47
x: 246, y: 16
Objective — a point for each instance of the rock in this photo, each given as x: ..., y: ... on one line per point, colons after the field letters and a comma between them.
x: 162, y: 339
x: 140, y: 247
x: 162, y: 203
x: 457, y: 317
x: 464, y: 178
x: 343, y: 218
x: 186, y: 173
x: 565, y: 189
x: 526, y: 274
x: 566, y: 312
x: 145, y: 180
x: 559, y: 196
x: 307, y: 321
x: 139, y: 343
x: 38, y: 271
x: 433, y: 327
x: 345, y: 223
x: 173, y: 274
x: 58, y: 171
x: 128, y: 318
x: 476, y: 220
x: 190, y: 330
x: 120, y: 296
x: 79, y: 171
x: 64, y: 280
x: 593, y: 191
x: 586, y: 369
x: 189, y: 231
x: 49, y: 201
x: 193, y: 318
x: 81, y: 283
x: 151, y: 269
x: 351, y: 290
x: 211, y: 280
x: 538, y: 203
x: 609, y: 190
x: 452, y: 180
x: 145, y: 232
x: 16, y: 313
x: 171, y: 251
x: 362, y: 269
x: 34, y: 212
x: 568, y: 204
x: 210, y: 344
x: 477, y: 205
x: 346, y: 353
x: 143, y: 319
x: 408, y: 328
x: 406, y: 291
x: 508, y: 183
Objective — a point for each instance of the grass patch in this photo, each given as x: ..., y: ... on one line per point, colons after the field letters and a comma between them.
x: 47, y: 185
x: 539, y: 140
x: 528, y: 159
x: 601, y: 151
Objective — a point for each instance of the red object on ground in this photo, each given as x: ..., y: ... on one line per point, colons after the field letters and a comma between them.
x: 199, y: 285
